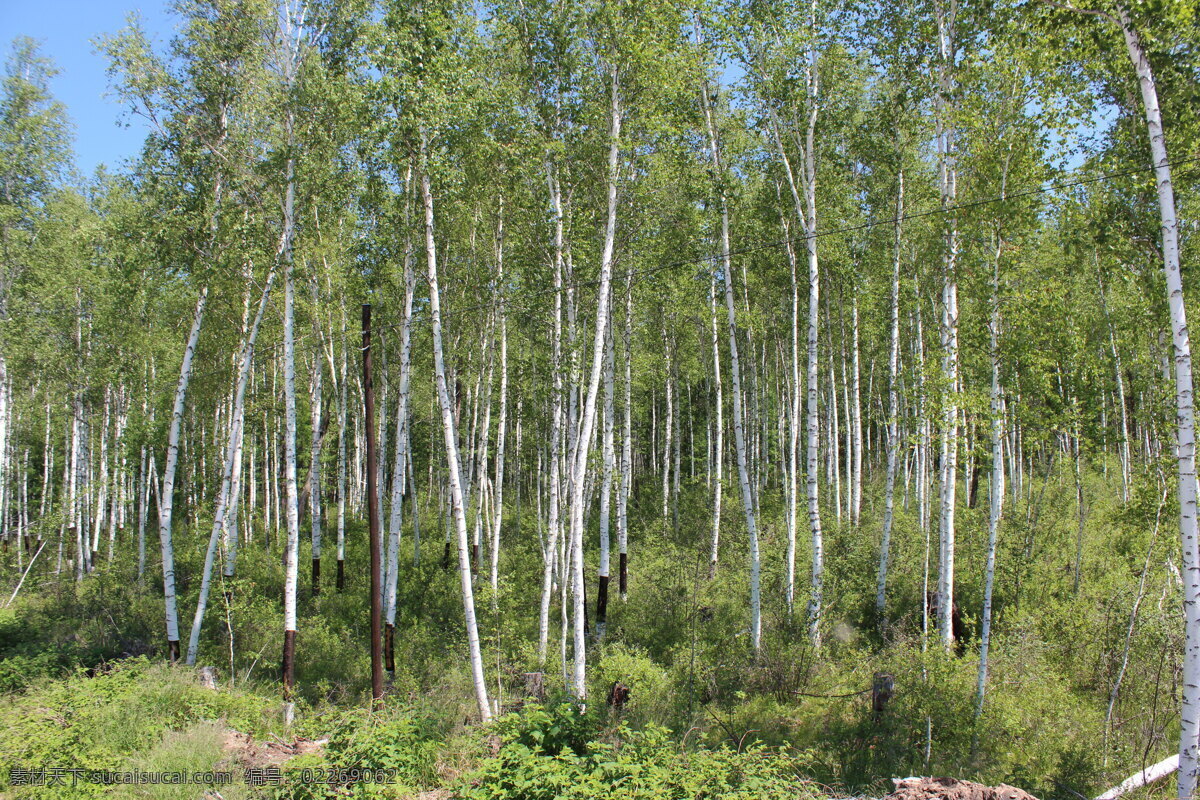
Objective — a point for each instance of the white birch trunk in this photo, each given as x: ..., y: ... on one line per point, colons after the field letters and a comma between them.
x: 856, y: 464
x: 606, y: 480
x: 739, y: 436
x: 719, y: 449
x: 450, y: 435
x: 167, y: 492
x: 395, y: 518
x: 812, y: 428
x: 501, y: 429
x: 1189, y: 746
x: 996, y: 490
x: 893, y: 436
x: 343, y: 392
x: 626, y: 443
x: 314, y: 450
x: 227, y: 500
x: 556, y: 433
x: 948, y: 179
x: 587, y: 422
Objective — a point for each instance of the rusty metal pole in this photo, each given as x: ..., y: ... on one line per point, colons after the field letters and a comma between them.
x: 373, y: 513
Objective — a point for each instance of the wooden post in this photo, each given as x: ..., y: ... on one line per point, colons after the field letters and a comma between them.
x: 372, y: 512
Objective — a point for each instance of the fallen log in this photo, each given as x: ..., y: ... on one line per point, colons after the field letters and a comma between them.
x: 1139, y: 779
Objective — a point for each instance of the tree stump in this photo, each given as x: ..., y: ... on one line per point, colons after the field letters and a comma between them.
x: 618, y: 696
x: 535, y: 685
x: 208, y: 677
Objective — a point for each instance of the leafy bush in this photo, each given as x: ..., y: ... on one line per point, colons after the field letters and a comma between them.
x: 393, y: 752
x: 123, y: 719
x: 542, y: 758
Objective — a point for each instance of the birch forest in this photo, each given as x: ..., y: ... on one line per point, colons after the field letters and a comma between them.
x: 638, y: 399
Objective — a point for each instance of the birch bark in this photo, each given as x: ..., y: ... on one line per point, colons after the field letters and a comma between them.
x: 893, y: 437
x: 450, y: 436
x: 739, y: 436
x: 1189, y: 737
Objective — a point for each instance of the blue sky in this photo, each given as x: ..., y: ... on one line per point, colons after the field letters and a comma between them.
x: 64, y: 29
x: 104, y: 132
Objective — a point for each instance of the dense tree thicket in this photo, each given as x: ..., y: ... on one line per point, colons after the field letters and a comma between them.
x: 742, y: 353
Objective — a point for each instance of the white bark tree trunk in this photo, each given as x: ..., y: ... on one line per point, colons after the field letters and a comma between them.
x: 450, y: 436
x: 606, y: 480
x: 1189, y: 746
x: 719, y: 447
x: 167, y: 492
x: 343, y: 391
x: 556, y: 433
x: 996, y: 490
x: 226, y: 500
x: 739, y: 436
x: 893, y: 435
x: 626, y: 444
x: 813, y: 429
x: 315, y: 440
x: 502, y: 426
x: 856, y: 425
x: 587, y: 422
x: 399, y: 472
x: 948, y: 178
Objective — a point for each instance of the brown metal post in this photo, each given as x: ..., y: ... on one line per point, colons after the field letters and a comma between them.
x: 373, y: 512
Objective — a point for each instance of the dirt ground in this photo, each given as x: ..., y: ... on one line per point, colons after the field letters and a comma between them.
x: 953, y: 789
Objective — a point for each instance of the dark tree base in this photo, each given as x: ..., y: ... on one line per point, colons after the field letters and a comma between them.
x: 289, y: 663
x: 623, y: 576
x: 341, y: 574
x: 316, y: 577
x: 602, y: 603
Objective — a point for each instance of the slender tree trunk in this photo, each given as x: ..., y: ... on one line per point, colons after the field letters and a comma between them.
x: 719, y: 478
x: 292, y: 547
x: 948, y: 176
x: 792, y: 459
x: 450, y: 435
x: 667, y: 423
x: 167, y: 493
x: 626, y: 444
x: 1118, y: 370
x: 502, y: 426
x: 579, y: 469
x: 399, y: 472
x: 813, y: 425
x: 739, y: 435
x: 226, y: 500
x: 343, y: 390
x: 314, y: 450
x: 996, y: 490
x: 855, y: 409
x: 606, y: 480
x: 893, y: 434
x: 1189, y: 737
x: 556, y: 433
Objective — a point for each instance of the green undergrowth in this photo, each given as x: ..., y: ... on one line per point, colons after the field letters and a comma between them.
x: 705, y: 713
x: 561, y: 752
x: 142, y: 716
x: 134, y: 715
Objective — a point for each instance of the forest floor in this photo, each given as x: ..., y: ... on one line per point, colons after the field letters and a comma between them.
x: 82, y: 687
